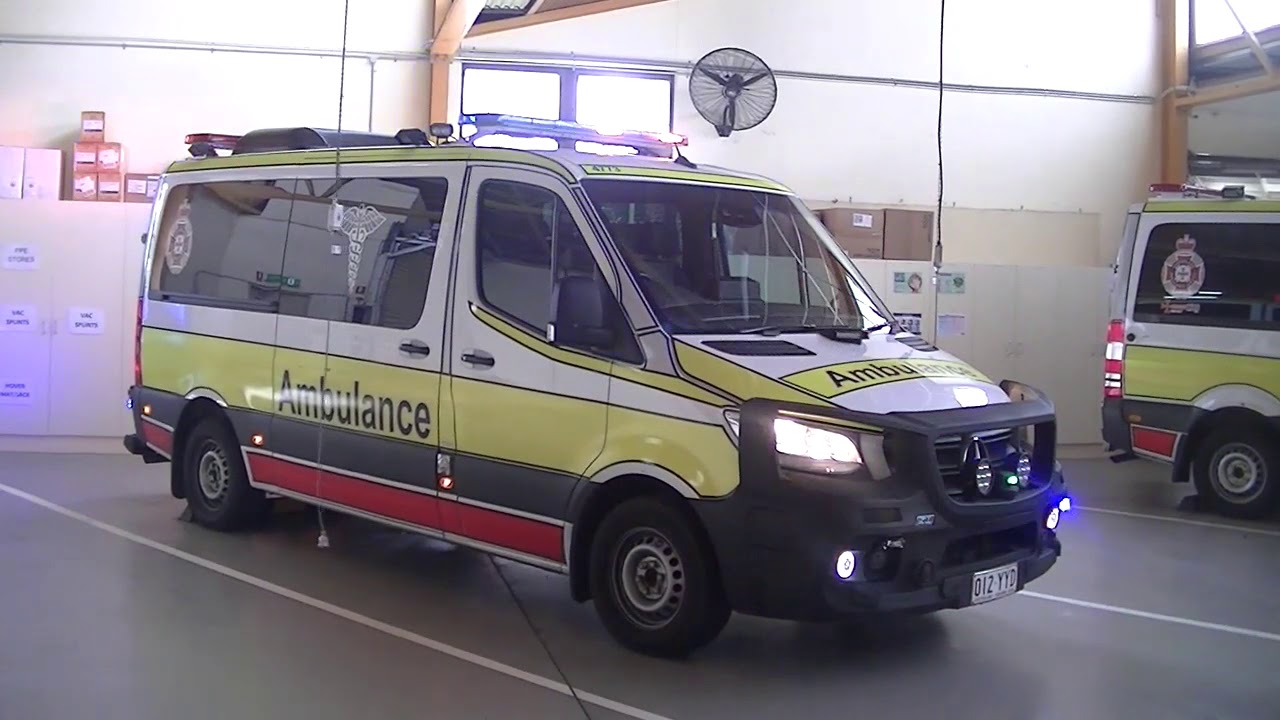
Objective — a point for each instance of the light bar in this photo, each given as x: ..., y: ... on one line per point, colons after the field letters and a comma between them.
x: 656, y: 144
x: 214, y: 140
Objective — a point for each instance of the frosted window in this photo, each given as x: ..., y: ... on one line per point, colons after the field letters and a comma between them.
x: 511, y: 92
x: 624, y: 103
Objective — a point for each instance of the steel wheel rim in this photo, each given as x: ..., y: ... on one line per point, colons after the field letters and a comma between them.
x: 1238, y: 472
x: 649, y: 579
x: 213, y: 474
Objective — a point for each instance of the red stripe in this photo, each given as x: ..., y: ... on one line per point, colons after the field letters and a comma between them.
x: 489, y: 526
x: 509, y: 531
x: 1156, y: 442
x: 157, y: 436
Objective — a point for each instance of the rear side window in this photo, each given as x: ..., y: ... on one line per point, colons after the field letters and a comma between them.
x: 361, y: 250
x: 216, y: 238
x: 1218, y: 275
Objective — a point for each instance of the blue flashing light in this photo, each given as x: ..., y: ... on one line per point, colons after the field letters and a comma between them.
x: 128, y: 403
x: 1065, y: 504
x: 563, y: 132
x: 1051, y: 522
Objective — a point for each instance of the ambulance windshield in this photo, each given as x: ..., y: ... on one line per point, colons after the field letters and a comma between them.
x: 724, y: 260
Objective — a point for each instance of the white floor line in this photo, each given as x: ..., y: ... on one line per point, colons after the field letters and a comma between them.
x: 392, y: 630
x: 1231, y: 629
x: 1181, y: 521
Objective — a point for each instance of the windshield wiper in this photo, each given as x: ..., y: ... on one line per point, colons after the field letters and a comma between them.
x: 878, y: 328
x: 804, y: 328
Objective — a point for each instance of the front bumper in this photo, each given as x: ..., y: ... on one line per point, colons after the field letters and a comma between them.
x: 777, y: 537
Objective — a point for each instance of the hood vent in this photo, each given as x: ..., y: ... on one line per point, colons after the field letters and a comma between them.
x: 915, y: 342
x: 757, y: 348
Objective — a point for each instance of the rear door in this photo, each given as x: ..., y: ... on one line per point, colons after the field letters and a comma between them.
x: 1204, y: 309
x: 377, y: 278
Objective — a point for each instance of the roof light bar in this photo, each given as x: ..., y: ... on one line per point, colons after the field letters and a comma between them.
x: 215, y: 140
x: 1230, y: 192
x: 656, y: 144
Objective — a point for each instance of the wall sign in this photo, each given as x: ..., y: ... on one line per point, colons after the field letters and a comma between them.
x: 85, y: 321
x: 21, y: 256
x: 908, y: 283
x: 15, y: 392
x: 18, y: 318
x: 910, y: 322
x: 951, y: 283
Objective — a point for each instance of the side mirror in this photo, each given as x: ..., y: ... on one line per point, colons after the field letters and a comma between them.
x: 581, y: 318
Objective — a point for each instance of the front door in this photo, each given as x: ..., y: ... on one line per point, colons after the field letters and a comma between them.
x: 378, y: 243
x: 529, y: 416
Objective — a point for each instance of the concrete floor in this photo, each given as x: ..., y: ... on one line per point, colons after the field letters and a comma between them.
x: 112, y: 608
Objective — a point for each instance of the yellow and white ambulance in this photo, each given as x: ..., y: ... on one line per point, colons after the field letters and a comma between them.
x: 661, y: 379
x: 1193, y: 346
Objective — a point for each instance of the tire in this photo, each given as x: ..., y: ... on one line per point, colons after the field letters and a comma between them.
x: 654, y: 581
x: 216, y: 483
x: 1237, y: 471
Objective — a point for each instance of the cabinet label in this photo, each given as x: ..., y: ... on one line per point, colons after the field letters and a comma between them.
x: 18, y: 318
x: 85, y: 321
x: 21, y: 257
x: 15, y: 392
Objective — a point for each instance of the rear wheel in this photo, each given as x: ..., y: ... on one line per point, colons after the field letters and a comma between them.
x: 1237, y: 470
x: 217, y: 485
x: 654, y: 581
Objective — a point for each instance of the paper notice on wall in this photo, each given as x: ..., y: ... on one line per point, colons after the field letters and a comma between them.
x: 951, y: 283
x: 908, y: 283
x: 863, y: 220
x: 15, y: 392
x: 18, y: 318
x: 951, y: 325
x: 21, y: 256
x: 85, y: 321
x: 911, y: 322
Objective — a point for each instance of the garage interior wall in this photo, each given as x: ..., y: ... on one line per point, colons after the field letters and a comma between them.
x: 154, y: 97
x: 1055, y: 158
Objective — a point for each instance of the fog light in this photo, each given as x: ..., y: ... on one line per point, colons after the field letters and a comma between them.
x: 846, y: 563
x: 1065, y: 504
x: 128, y: 403
x: 982, y: 477
x: 1051, y: 522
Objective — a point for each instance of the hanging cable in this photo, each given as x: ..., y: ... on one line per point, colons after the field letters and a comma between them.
x: 937, y: 248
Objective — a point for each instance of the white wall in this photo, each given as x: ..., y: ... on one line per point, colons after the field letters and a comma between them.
x: 876, y: 144
x: 153, y: 97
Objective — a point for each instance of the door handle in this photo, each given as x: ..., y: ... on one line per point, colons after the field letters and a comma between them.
x: 415, y: 347
x: 479, y: 358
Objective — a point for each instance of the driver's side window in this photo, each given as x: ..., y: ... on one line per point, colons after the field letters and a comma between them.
x: 527, y: 242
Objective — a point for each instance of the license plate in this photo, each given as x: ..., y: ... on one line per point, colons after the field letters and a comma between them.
x: 994, y: 584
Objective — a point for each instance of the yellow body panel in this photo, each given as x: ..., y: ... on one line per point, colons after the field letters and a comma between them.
x: 1183, y: 375
x: 700, y: 454
x: 1191, y: 206
x: 736, y: 380
x: 240, y: 373
x: 840, y: 378
x: 630, y: 171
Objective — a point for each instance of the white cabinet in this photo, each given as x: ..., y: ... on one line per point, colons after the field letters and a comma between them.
x: 75, y: 359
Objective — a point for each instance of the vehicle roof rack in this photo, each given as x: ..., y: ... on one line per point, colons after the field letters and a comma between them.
x: 305, y: 138
x: 495, y: 130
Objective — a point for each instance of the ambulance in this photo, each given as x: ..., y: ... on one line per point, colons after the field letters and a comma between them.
x: 579, y: 350
x: 1192, y: 376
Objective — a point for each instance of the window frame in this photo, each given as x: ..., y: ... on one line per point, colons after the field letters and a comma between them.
x: 569, y: 77
x: 1194, y: 321
x: 627, y: 349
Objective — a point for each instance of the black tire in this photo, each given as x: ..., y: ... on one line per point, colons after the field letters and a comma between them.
x: 1237, y: 471
x: 225, y: 502
x: 658, y: 540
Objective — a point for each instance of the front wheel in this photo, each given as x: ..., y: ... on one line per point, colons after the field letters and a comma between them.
x: 1237, y: 469
x: 653, y: 580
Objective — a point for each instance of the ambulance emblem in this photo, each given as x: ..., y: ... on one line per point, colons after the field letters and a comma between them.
x: 1183, y: 271
x: 181, y: 235
x: 358, y: 223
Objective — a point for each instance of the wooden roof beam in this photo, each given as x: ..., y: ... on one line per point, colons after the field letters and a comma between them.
x: 457, y: 22
x: 549, y: 16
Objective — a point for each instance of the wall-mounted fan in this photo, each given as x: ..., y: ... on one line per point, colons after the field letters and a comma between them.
x: 733, y: 89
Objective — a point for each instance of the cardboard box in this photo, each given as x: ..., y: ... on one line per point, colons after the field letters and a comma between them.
x: 908, y: 235
x: 84, y: 157
x: 110, y: 187
x: 140, y: 187
x: 11, y: 160
x: 93, y: 126
x: 110, y: 157
x: 84, y: 186
x: 42, y: 174
x: 858, y: 231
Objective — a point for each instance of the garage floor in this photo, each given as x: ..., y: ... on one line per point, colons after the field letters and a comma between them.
x: 112, y: 608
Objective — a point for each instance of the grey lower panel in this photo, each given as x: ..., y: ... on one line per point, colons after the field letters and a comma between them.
x: 531, y: 490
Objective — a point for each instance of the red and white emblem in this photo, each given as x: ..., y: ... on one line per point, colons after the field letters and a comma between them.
x: 1183, y: 272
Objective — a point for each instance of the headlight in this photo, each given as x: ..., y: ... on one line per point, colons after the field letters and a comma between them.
x: 818, y: 449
